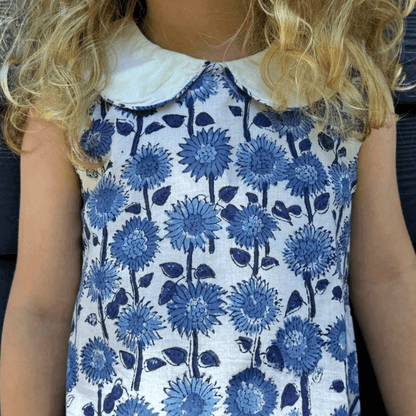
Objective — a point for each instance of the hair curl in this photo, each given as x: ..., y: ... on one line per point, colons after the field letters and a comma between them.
x: 320, y: 44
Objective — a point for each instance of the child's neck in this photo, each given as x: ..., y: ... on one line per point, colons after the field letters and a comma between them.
x: 195, y: 27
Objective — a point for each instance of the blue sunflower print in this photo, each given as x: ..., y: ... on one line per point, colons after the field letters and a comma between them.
x: 253, y: 306
x: 251, y: 225
x: 191, y: 222
x: 138, y: 325
x: 249, y: 394
x: 194, y: 397
x: 196, y: 307
x: 261, y: 163
x: 206, y: 153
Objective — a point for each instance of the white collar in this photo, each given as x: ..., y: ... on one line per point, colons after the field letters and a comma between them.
x: 146, y: 74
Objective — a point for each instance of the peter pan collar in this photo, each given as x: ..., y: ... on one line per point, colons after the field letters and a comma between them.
x: 147, y: 75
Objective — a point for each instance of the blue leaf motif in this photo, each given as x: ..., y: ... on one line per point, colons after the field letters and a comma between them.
x: 88, y: 410
x: 127, y: 359
x: 240, y: 257
x: 112, y: 310
x: 117, y: 392
x: 244, y: 344
x: 294, y: 303
x: 342, y: 152
x: 208, y: 359
x: 174, y: 120
x: 87, y: 231
x: 121, y: 297
x: 237, y: 111
x: 80, y: 308
x: 111, y: 398
x: 337, y: 293
x: 168, y: 290
x: 229, y: 212
x: 124, y: 127
x: 261, y: 120
x: 321, y: 286
x: 268, y: 262
x: 326, y: 142
x: 92, y: 319
x: 228, y: 193
x: 203, y: 119
x: 305, y: 145
x: 274, y: 357
x: 289, y: 396
x: 204, y: 272
x: 71, y: 399
x: 280, y: 210
x: 252, y: 198
x: 295, y: 210
x: 172, y: 269
x: 155, y: 126
x: 321, y: 202
x: 317, y: 375
x: 109, y: 403
x: 145, y: 280
x: 95, y: 240
x: 175, y: 355
x: 161, y: 195
x: 153, y: 364
x: 133, y: 209
x: 338, y: 386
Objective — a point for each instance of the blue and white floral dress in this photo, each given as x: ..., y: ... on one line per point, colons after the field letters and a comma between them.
x: 215, y: 248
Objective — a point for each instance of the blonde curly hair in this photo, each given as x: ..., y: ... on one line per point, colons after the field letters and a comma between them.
x: 322, y: 46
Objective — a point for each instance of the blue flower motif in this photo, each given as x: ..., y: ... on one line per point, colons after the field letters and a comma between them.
x: 193, y: 397
x: 309, y: 250
x: 291, y: 122
x: 190, y: 222
x: 196, y: 307
x: 300, y: 345
x: 97, y: 361
x: 201, y: 88
x: 134, y: 406
x: 250, y: 394
x: 106, y: 202
x: 353, y: 381
x: 137, y: 326
x: 254, y: 306
x: 341, y: 411
x: 251, y: 224
x: 306, y: 173
x: 149, y: 167
x: 71, y: 368
x: 135, y: 245
x: 206, y: 153
x: 103, y: 281
x: 261, y: 163
x: 337, y: 344
x: 96, y: 142
x: 341, y: 180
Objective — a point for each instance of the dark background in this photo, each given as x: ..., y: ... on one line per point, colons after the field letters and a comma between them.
x: 405, y: 103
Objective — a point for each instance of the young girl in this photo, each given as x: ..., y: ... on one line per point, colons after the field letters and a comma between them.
x: 194, y: 212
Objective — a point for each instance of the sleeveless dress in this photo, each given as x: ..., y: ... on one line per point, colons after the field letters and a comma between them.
x: 215, y: 248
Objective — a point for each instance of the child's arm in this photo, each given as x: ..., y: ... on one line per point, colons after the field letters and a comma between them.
x: 33, y: 365
x: 46, y: 281
x: 386, y: 314
x: 383, y: 272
